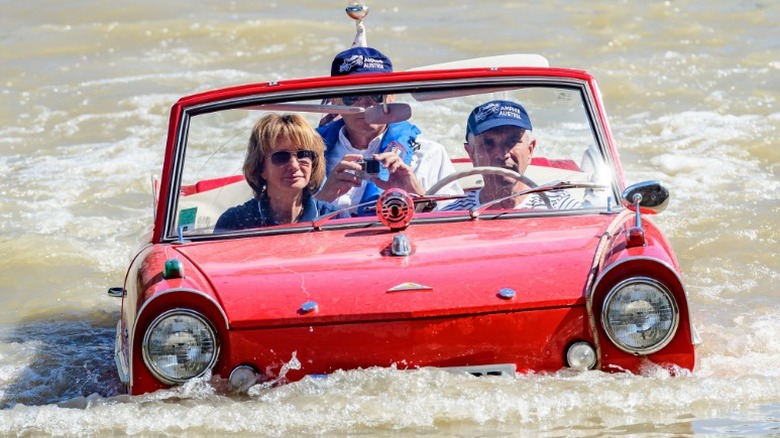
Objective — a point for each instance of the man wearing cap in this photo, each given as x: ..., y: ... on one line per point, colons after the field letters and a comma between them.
x: 498, y: 134
x: 414, y: 164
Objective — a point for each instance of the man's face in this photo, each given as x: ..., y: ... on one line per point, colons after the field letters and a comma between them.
x: 508, y: 147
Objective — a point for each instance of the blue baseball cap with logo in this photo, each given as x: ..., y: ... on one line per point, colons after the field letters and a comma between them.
x: 360, y: 60
x: 497, y: 113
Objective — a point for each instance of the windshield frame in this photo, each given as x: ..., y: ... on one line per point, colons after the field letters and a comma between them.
x: 392, y: 83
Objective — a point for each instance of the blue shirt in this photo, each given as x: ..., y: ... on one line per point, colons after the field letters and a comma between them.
x: 255, y: 214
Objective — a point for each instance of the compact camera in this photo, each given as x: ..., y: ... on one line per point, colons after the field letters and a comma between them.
x: 369, y: 167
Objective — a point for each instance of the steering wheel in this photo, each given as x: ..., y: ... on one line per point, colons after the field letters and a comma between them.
x: 487, y: 170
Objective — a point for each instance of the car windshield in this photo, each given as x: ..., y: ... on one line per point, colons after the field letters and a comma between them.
x: 563, y: 144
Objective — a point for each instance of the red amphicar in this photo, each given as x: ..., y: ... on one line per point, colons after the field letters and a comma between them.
x: 500, y: 236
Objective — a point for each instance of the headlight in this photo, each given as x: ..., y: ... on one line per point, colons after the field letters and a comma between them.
x: 179, y: 345
x: 640, y: 316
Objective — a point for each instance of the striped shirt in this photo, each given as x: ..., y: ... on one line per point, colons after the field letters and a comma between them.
x: 559, y: 199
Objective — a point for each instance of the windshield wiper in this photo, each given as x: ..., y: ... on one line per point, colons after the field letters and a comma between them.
x: 321, y: 219
x: 427, y: 203
x: 555, y: 185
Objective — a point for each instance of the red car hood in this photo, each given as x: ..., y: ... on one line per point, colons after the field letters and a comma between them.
x: 456, y: 268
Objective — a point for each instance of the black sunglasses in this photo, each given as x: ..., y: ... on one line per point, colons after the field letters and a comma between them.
x: 374, y: 98
x: 304, y: 157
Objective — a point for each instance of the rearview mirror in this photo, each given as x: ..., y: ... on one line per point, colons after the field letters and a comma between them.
x: 654, y: 196
x: 387, y: 113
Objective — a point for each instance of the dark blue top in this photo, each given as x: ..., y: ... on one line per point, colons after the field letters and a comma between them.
x: 248, y: 215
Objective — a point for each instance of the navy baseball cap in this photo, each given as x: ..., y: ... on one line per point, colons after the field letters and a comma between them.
x: 360, y: 60
x: 497, y: 113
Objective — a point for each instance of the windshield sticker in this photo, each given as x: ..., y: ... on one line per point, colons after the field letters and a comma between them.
x: 187, y: 218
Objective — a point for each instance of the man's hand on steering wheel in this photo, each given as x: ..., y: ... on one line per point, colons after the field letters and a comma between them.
x: 487, y: 170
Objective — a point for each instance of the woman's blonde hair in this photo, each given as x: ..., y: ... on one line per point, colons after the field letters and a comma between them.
x: 262, y: 142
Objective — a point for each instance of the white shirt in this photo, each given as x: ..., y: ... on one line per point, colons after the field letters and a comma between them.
x: 430, y: 163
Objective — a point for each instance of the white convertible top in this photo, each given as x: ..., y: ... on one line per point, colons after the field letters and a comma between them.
x: 511, y: 60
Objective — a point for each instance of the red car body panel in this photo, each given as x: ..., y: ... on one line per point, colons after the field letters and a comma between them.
x: 322, y: 267
x: 461, y: 340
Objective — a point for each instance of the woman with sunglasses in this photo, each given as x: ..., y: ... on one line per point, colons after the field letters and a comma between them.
x: 284, y: 165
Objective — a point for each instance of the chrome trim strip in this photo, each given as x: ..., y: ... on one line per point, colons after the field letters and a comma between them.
x: 653, y: 259
x: 590, y: 282
x: 409, y: 286
x: 119, y: 358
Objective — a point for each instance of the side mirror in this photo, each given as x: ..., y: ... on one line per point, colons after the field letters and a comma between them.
x: 384, y: 114
x: 653, y: 196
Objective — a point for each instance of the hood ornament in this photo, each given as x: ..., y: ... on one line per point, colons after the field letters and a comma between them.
x: 409, y: 286
x: 401, y: 245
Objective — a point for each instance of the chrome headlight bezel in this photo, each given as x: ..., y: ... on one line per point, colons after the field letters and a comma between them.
x: 206, y: 329
x: 670, y: 322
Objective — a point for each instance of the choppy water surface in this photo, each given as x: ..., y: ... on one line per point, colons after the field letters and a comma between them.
x: 691, y: 88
